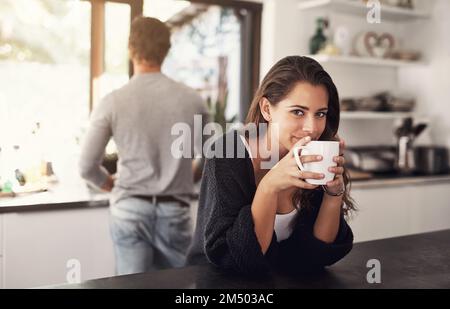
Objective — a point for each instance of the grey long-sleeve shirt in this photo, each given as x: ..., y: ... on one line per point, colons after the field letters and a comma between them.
x: 140, y: 117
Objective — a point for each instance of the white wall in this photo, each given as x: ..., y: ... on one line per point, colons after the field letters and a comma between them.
x: 431, y: 84
x: 280, y: 35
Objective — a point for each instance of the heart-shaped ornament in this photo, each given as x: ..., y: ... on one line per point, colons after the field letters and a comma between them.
x: 380, y: 46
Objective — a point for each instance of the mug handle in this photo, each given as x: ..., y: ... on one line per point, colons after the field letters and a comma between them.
x: 297, y: 156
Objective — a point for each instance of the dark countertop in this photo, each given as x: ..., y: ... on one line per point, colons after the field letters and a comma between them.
x: 60, y: 196
x: 54, y: 206
x: 416, y: 261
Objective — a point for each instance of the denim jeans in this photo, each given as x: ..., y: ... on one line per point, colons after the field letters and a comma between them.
x: 149, y: 236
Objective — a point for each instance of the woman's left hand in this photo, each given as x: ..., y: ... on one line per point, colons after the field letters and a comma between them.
x: 337, y: 185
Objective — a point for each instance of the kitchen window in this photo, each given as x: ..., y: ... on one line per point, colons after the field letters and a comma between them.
x: 44, y: 80
x: 58, y: 58
x: 215, y: 50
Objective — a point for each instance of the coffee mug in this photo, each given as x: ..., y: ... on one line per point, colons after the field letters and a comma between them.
x: 328, y: 150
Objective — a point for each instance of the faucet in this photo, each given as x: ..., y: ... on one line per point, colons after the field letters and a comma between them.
x: 405, y: 163
x: 406, y: 134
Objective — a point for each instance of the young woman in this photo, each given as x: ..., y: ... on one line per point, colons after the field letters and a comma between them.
x: 252, y: 219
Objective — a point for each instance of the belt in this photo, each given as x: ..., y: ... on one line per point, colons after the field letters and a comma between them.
x: 154, y: 199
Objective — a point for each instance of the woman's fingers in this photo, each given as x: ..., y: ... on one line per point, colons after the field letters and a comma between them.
x: 338, y: 181
x: 302, y: 142
x: 303, y: 184
x: 341, y: 146
x: 310, y: 158
x: 336, y: 170
x: 307, y: 175
x: 340, y: 160
x: 306, y: 159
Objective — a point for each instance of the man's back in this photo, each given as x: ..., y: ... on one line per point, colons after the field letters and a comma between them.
x: 150, y: 223
x: 141, y: 115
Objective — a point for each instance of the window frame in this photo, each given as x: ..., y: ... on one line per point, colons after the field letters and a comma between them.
x: 97, y: 57
x: 250, y: 48
x: 250, y: 41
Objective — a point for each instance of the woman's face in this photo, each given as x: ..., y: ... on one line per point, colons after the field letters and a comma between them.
x: 302, y: 113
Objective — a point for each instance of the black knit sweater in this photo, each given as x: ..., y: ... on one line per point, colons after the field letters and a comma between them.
x: 225, y: 233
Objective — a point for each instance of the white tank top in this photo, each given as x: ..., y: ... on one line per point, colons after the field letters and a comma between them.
x: 282, y: 224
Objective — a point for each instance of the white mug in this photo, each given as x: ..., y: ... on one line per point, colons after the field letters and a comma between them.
x: 328, y: 150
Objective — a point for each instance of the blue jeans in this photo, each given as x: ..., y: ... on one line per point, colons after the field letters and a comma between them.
x: 149, y: 236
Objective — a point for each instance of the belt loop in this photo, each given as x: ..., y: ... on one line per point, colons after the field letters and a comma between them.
x: 154, y: 199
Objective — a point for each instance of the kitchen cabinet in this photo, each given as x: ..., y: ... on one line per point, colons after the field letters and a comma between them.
x: 1, y: 273
x: 1, y: 251
x: 398, y: 210
x: 38, y: 246
x: 1, y: 236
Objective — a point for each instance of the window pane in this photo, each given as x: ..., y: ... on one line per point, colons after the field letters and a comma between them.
x: 44, y: 80
x: 117, y: 30
x: 164, y: 9
x: 206, y: 49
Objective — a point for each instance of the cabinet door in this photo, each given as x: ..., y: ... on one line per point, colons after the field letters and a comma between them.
x: 44, y: 247
x: 400, y: 210
x: 1, y: 273
x: 1, y: 235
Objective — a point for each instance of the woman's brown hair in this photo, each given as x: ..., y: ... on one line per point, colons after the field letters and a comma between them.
x: 276, y: 85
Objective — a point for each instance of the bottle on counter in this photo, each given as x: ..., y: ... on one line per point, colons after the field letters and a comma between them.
x: 8, y: 164
x: 1, y: 170
x: 7, y: 187
x: 319, y: 39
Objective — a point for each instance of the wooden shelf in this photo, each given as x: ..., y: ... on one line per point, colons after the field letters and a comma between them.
x: 375, y: 115
x: 390, y: 13
x: 368, y: 61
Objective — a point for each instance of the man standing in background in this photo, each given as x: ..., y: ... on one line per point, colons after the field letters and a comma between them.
x: 150, y: 217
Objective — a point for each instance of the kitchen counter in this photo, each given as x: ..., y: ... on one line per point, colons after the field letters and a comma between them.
x: 396, y: 180
x: 417, y: 261
x: 78, y: 195
x: 59, y: 196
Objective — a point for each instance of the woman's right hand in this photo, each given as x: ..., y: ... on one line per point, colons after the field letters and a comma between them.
x: 286, y: 174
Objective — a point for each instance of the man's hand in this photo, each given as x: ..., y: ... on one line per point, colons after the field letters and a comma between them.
x: 109, y: 184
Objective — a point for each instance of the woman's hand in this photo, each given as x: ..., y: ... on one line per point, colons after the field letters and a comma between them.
x: 286, y: 174
x: 337, y: 186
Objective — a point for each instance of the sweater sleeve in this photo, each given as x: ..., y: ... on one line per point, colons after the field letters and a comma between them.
x: 230, y: 239
x: 95, y: 141
x: 303, y: 251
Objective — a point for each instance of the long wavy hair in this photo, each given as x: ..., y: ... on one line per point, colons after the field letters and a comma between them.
x: 276, y: 85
